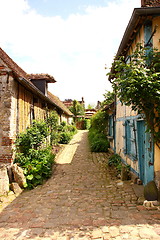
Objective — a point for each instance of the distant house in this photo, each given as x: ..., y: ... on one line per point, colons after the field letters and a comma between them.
x: 23, y: 98
x: 89, y: 113
x: 127, y: 128
x: 69, y: 102
x: 63, y: 112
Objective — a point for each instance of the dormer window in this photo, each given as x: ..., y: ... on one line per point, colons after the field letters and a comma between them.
x: 41, y: 81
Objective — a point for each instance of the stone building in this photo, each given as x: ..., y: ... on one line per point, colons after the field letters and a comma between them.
x: 23, y: 98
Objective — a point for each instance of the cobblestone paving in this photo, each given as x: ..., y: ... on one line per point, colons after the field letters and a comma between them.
x: 80, y: 201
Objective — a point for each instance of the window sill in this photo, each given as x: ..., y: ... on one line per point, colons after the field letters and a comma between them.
x: 110, y: 137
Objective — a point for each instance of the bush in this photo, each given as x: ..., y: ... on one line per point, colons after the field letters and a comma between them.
x: 52, y: 123
x: 99, y: 121
x: 37, y: 165
x: 33, y: 137
x: 65, y: 137
x: 115, y: 161
x: 66, y: 132
x: 98, y: 141
x: 97, y: 132
x: 36, y: 162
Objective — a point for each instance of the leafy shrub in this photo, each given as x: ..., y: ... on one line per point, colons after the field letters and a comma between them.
x: 97, y: 132
x: 115, y: 161
x: 52, y: 122
x: 65, y: 137
x: 66, y: 132
x: 71, y: 128
x: 87, y: 123
x: 99, y: 121
x: 33, y: 137
x: 37, y: 165
x: 36, y: 162
x: 98, y: 141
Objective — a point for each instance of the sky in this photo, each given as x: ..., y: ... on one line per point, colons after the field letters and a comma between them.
x: 72, y: 40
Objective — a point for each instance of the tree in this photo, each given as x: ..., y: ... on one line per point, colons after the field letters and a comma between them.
x: 77, y: 109
x: 137, y: 84
x: 109, y: 98
x: 91, y: 106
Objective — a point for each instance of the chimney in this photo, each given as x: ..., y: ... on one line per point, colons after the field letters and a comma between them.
x: 150, y: 3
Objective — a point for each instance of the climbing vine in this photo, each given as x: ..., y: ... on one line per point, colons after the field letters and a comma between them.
x: 136, y: 82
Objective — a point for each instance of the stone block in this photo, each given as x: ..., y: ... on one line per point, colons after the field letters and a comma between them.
x: 18, y: 175
x: 4, y: 180
x: 151, y: 191
x: 15, y: 188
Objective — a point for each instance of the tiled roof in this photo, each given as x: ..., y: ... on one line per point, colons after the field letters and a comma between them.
x: 12, y: 65
x: 59, y: 103
x: 46, y: 77
x: 150, y: 3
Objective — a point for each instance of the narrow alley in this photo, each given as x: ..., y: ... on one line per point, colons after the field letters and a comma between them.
x: 82, y: 200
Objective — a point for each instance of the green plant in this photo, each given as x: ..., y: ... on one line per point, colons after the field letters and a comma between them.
x: 52, y: 122
x: 65, y: 137
x: 37, y: 165
x: 97, y: 132
x: 35, y: 160
x: 66, y: 132
x: 98, y: 141
x: 34, y: 136
x: 86, y: 124
x: 109, y: 98
x: 115, y: 161
x: 77, y: 109
x: 137, y: 84
x: 99, y: 121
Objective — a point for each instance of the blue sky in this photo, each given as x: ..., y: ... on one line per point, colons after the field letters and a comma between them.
x: 64, y: 8
x: 72, y: 40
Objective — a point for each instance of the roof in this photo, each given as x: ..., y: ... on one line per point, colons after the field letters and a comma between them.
x: 138, y: 17
x: 59, y: 103
x: 109, y: 106
x: 24, y: 79
x: 47, y: 77
x: 149, y: 3
x: 12, y: 65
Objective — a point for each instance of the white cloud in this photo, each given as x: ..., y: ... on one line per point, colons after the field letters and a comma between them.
x: 74, y: 50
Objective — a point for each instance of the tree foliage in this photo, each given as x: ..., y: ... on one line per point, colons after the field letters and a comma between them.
x: 109, y: 98
x: 137, y: 84
x: 77, y: 109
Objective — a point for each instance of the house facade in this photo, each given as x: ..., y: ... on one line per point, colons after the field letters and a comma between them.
x: 23, y: 98
x: 127, y: 128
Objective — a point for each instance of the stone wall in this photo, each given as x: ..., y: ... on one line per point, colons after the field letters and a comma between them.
x: 4, y: 180
x: 5, y: 114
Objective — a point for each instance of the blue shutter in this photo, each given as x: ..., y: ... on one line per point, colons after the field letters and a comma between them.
x: 147, y: 36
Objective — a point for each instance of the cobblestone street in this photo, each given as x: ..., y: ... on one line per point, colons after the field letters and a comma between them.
x: 82, y: 200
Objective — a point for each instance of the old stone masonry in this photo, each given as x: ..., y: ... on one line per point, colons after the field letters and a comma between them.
x: 82, y: 200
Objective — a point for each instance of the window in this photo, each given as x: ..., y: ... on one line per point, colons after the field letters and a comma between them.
x: 111, y: 124
x: 130, y: 139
